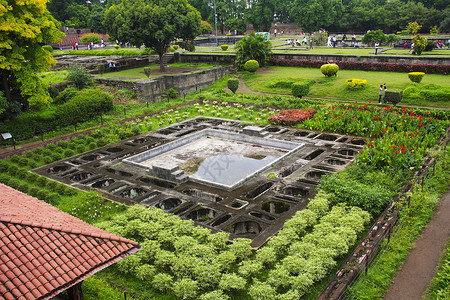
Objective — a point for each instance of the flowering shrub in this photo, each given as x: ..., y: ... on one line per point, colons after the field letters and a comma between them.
x: 365, y: 66
x: 291, y: 117
x: 356, y: 84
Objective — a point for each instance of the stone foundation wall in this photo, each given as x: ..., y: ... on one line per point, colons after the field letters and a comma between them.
x: 218, y: 58
x: 151, y: 90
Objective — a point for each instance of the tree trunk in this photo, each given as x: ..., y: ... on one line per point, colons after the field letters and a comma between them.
x: 161, y: 63
x: 5, y: 84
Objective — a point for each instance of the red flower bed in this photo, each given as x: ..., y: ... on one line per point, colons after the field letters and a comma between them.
x: 291, y: 117
x: 365, y: 66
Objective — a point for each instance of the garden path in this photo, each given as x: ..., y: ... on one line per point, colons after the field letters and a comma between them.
x: 419, y: 267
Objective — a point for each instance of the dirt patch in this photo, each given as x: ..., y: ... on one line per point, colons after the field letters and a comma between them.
x: 192, y: 165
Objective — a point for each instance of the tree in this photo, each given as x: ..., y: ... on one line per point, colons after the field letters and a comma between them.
x: 24, y: 27
x: 253, y: 47
x: 373, y: 36
x: 312, y: 15
x: 154, y: 23
x: 262, y: 15
x: 420, y: 43
x: 413, y: 27
x: 80, y: 77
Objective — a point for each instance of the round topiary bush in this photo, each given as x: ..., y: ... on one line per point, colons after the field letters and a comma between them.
x: 21, y: 173
x: 31, y: 177
x: 51, y: 185
x: 42, y: 195
x: 48, y: 48
x: 251, y: 65
x: 92, y: 146
x: 15, y: 158
x: 3, y: 166
x: 52, y: 198
x: 24, y: 188
x: 224, y: 47
x: 300, y: 89
x: 329, y: 69
x: 63, y: 144
x: 12, y: 170
x: 175, y: 47
x: 355, y: 84
x: 41, y: 181
x: 29, y: 154
x: 23, y: 161
x: 33, y: 191
x: 81, y: 149
x: 51, y: 146
x: 233, y: 84
x: 416, y: 76
x: 14, y: 183
x: 56, y: 156
x: 69, y: 153
x: 38, y: 150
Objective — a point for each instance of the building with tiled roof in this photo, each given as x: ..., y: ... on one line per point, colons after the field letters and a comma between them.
x: 44, y: 251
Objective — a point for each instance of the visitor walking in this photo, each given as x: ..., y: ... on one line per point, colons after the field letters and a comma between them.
x: 310, y: 43
x: 329, y: 42
x: 334, y: 41
x: 376, y: 47
x: 76, y: 45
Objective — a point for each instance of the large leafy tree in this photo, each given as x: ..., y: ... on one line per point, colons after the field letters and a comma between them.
x: 154, y: 23
x: 24, y: 27
x: 312, y: 15
x: 262, y: 14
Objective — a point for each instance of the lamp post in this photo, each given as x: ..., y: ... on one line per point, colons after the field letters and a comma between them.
x: 215, y: 22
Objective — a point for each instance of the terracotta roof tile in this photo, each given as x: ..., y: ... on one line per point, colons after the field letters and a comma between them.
x: 40, y: 256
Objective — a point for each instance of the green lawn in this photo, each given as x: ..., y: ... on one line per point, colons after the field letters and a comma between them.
x: 138, y: 73
x: 53, y: 76
x: 271, y: 80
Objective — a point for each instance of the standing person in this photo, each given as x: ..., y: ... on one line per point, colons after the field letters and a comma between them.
x: 76, y: 45
x: 73, y: 46
x: 354, y: 40
x: 344, y: 38
x: 275, y: 32
x: 385, y: 89
x: 334, y: 41
x: 376, y: 47
x: 310, y: 43
x: 329, y: 42
x: 92, y: 45
x: 380, y: 94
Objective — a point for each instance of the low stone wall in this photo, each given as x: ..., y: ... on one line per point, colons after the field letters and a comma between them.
x: 220, y: 58
x: 151, y: 90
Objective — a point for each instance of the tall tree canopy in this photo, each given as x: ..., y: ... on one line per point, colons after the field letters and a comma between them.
x: 24, y: 27
x: 154, y: 23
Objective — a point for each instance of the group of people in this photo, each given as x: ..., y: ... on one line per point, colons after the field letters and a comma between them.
x: 380, y: 94
x: 112, y: 67
x: 303, y: 42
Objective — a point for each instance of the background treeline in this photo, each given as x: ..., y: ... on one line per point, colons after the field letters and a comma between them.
x: 311, y: 15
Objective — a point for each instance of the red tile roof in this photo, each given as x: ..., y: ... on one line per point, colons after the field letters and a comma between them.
x: 44, y: 251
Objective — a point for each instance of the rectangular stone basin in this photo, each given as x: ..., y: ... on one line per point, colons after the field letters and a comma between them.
x: 224, y: 159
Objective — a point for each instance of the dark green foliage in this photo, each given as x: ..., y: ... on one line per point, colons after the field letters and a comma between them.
x: 58, y: 150
x: 233, y: 84
x: 69, y: 153
x: 21, y: 173
x: 63, y: 144
x: 47, y: 152
x: 81, y: 149
x: 66, y: 95
x: 37, y: 158
x: 48, y: 160
x: 393, y: 96
x: 300, y: 89
x: 53, y: 92
x: 38, y: 150
x: 29, y: 154
x: 51, y: 185
x: 430, y: 46
x: 84, y: 106
x: 12, y: 170
x: 4, y: 178
x: 33, y: 191
x: 41, y: 181
x: 147, y: 71
x: 70, y: 191
x: 253, y: 47
x: 31, y: 177
x: 51, y: 147
x: 14, y: 183
x: 88, y: 139
x: 32, y: 164
x: 92, y: 146
x: 23, y: 188
x: 56, y: 156
x: 171, y: 93
x: 60, y: 189
x: 42, y: 194
x: 79, y: 76
x: 101, y: 68
x: 101, y: 143
x: 3, y: 166
x: 373, y: 36
x: 53, y: 199
x: 15, y: 158
x: 176, y: 56
x: 369, y: 197
x: 23, y: 161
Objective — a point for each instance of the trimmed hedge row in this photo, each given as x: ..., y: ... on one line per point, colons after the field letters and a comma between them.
x: 82, y: 107
x: 364, y: 66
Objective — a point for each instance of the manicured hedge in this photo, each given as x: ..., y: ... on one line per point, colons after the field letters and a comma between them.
x: 365, y: 66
